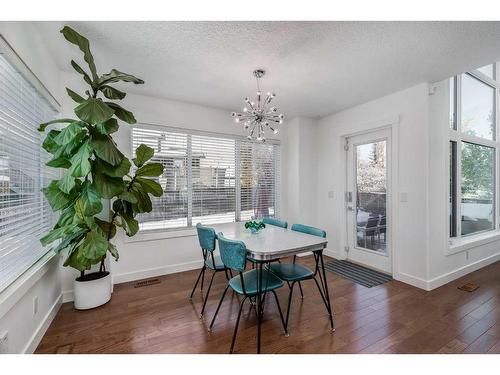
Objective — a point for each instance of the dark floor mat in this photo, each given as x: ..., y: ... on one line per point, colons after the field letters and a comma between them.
x: 359, y: 274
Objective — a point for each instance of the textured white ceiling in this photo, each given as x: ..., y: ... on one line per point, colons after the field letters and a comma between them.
x: 315, y: 68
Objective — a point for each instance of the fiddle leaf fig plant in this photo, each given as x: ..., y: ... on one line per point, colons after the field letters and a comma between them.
x: 93, y: 169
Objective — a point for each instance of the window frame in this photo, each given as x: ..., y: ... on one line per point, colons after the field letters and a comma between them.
x: 456, y: 135
x: 189, y: 230
x: 37, y: 268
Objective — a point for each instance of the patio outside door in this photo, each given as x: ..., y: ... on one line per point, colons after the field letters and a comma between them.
x: 368, y: 199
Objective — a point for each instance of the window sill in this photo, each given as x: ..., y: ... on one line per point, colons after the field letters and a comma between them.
x: 467, y: 243
x: 160, y: 235
x: 15, y: 291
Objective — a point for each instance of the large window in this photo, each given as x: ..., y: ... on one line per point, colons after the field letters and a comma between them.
x: 24, y: 213
x: 474, y: 150
x: 209, y: 178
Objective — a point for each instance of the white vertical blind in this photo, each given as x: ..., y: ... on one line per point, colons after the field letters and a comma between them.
x: 209, y: 178
x: 214, y: 191
x: 258, y: 177
x: 25, y: 215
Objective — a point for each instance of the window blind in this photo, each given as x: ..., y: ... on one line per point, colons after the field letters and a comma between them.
x: 259, y: 179
x: 209, y: 178
x: 25, y: 215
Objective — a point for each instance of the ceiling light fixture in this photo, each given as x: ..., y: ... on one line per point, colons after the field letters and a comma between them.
x: 258, y: 116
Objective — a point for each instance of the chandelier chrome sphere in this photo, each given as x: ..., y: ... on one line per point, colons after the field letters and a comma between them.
x: 258, y: 115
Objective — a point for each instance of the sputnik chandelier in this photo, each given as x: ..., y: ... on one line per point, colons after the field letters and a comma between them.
x: 258, y: 116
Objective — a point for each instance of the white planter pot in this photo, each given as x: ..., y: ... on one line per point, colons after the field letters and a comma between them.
x: 92, y: 293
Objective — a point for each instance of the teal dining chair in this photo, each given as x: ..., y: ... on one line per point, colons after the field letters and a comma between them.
x: 234, y: 256
x: 275, y: 222
x: 207, y: 239
x: 294, y: 273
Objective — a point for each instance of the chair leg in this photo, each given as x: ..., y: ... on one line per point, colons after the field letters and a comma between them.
x: 236, y: 326
x: 218, y: 308
x: 203, y: 277
x: 288, y: 307
x: 206, y: 296
x: 281, y: 314
x: 197, y: 281
x: 301, y: 292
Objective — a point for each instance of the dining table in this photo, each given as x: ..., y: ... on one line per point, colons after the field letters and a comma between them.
x: 269, y: 245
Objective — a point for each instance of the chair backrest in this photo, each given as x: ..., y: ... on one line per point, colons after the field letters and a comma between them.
x: 275, y: 222
x: 383, y: 220
x: 207, y: 237
x: 309, y: 230
x: 372, y: 221
x: 233, y: 253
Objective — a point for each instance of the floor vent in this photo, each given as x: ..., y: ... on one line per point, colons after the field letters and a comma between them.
x: 147, y: 282
x: 469, y: 287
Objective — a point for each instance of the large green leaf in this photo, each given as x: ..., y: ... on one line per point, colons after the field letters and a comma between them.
x: 130, y: 225
x: 128, y: 196
x: 119, y: 170
x: 143, y: 201
x: 73, y: 95
x: 80, y: 164
x: 79, y: 69
x: 108, y: 127
x: 67, y: 217
x: 112, y: 93
x: 113, y: 251
x: 49, y: 144
x: 93, y: 111
x: 60, y: 162
x: 69, y: 133
x: 67, y: 151
x: 56, y: 198
x: 150, y: 170
x: 71, y: 239
x: 116, y: 76
x: 54, y: 234
x: 142, y: 154
x: 83, y: 43
x: 42, y: 127
x: 122, y: 113
x: 67, y: 182
x: 94, y: 246
x: 107, y: 186
x: 92, y: 204
x: 108, y: 228
x: 150, y: 186
x: 77, y: 260
x: 105, y: 148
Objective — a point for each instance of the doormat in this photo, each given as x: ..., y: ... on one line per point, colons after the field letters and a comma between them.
x: 469, y: 287
x: 359, y: 274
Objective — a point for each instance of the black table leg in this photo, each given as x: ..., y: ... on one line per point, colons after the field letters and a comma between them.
x: 260, y: 308
x: 324, y: 284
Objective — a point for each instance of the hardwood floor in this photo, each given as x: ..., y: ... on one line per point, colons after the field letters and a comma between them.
x: 390, y: 318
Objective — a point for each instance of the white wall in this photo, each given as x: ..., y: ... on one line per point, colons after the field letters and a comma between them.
x: 24, y: 327
x: 410, y: 106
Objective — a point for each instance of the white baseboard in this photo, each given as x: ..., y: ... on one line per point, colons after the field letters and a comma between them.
x: 42, y: 328
x: 157, y: 271
x: 67, y: 296
x: 462, y: 271
x: 331, y: 253
x: 411, y: 280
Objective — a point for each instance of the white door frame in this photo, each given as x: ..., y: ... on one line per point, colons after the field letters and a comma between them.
x: 391, y: 123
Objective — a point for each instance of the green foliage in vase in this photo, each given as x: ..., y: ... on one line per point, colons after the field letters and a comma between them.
x: 95, y: 169
x: 255, y: 225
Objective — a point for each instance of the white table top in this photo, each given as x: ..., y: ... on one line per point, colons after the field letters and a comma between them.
x: 271, y: 242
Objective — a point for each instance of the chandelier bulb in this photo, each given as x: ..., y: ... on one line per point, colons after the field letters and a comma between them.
x: 276, y: 131
x: 281, y: 116
x: 281, y: 121
x: 252, y: 103
x: 268, y: 93
x: 236, y: 119
x: 245, y: 109
x: 249, y: 137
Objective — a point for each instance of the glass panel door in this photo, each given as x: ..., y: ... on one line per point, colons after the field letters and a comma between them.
x: 371, y: 197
